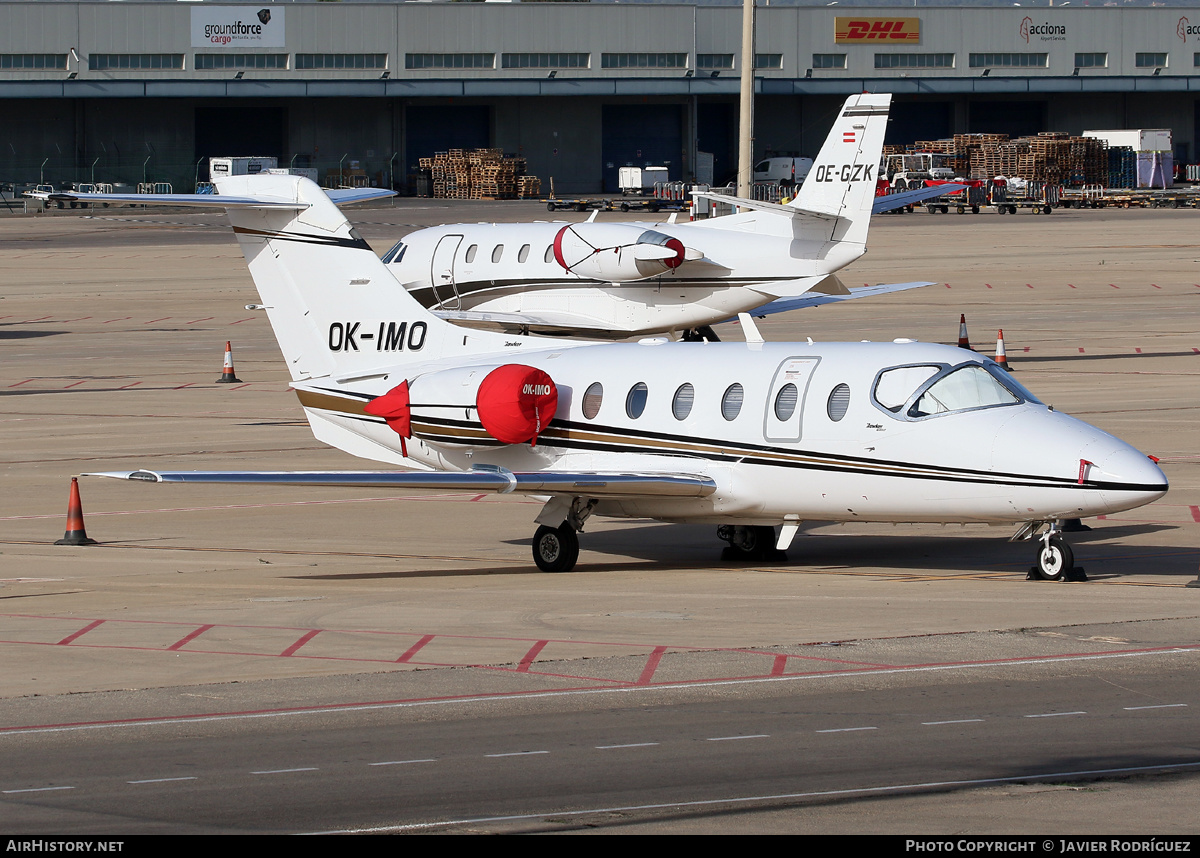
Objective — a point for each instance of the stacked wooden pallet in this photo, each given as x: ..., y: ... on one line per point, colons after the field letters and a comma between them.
x: 1051, y: 156
x: 478, y: 174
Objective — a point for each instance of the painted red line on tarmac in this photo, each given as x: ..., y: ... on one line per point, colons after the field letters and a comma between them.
x: 19, y: 383
x: 947, y: 285
x: 779, y: 665
x: 27, y: 321
x: 652, y: 663
x: 127, y: 386
x: 531, y: 656
x: 305, y: 638
x: 1195, y: 510
x: 1139, y: 351
x: 205, y: 319
x: 1114, y: 285
x: 414, y: 649
x: 240, y: 386
x: 1072, y: 285
x: 989, y: 285
x: 1196, y: 350
x: 1030, y: 285
x: 335, y: 707
x: 1155, y: 285
x: 152, y: 321
x: 122, y: 319
x: 247, y: 319
x: 190, y: 383
x: 73, y: 637
x: 1081, y: 349
x: 80, y: 319
x: 191, y: 636
x: 1025, y: 349
x: 74, y: 384
x: 478, y: 498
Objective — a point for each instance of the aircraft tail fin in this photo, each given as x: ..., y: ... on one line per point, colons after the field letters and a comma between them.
x: 841, y: 183
x: 335, y: 308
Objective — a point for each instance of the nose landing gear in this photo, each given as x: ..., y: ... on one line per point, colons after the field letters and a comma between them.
x: 1055, y: 560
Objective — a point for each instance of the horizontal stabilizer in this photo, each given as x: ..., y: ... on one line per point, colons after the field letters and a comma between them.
x: 343, y: 196
x: 815, y: 299
x: 911, y: 198
x: 761, y: 205
x: 481, y: 479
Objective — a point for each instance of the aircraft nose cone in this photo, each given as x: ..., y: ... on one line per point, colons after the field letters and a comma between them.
x: 1127, y: 478
x: 1102, y: 473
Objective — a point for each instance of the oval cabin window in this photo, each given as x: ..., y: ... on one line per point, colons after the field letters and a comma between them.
x: 592, y: 398
x: 839, y: 402
x: 731, y: 402
x: 681, y: 405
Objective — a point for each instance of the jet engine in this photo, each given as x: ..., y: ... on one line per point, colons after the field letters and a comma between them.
x: 511, y: 403
x: 618, y: 253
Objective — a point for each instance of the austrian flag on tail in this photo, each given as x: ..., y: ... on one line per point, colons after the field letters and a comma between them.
x: 847, y: 136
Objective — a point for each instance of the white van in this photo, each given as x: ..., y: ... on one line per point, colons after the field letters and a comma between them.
x: 782, y: 171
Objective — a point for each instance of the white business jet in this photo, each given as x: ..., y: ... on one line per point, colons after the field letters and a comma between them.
x: 748, y: 436
x: 616, y: 280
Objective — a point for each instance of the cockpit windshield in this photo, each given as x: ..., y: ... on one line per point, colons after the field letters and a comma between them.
x: 967, y: 387
x: 395, y: 254
x: 930, y: 390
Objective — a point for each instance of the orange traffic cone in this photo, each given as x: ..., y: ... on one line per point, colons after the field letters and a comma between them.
x: 75, y: 535
x: 227, y: 376
x: 963, y: 341
x: 1001, y: 357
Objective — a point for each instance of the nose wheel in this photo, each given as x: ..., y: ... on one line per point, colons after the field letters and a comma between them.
x: 555, y: 549
x: 1054, y: 558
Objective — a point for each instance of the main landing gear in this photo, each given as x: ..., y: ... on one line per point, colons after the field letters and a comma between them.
x: 1055, y: 561
x: 556, y: 548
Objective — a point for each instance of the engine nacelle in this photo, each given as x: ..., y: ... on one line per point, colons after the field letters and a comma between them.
x: 474, y: 405
x: 615, y: 252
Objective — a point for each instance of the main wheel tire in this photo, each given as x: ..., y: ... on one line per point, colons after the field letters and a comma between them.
x: 555, y: 549
x: 1054, y: 559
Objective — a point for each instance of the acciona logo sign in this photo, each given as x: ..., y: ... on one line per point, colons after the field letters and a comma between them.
x: 1186, y: 28
x: 237, y: 27
x: 1043, y: 31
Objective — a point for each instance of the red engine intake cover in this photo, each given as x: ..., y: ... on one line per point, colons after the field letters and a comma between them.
x: 516, y: 403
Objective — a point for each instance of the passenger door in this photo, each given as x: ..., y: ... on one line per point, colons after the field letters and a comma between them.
x: 783, y: 420
x: 441, y: 273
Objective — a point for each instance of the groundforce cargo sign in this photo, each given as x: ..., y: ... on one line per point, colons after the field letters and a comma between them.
x: 237, y: 27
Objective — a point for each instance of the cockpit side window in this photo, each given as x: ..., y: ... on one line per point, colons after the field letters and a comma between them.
x: 395, y: 254
x: 894, y: 387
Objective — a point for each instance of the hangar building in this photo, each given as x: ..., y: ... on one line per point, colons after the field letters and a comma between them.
x: 126, y: 92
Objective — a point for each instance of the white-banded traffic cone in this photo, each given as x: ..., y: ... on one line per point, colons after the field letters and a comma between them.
x: 227, y: 376
x: 1001, y: 357
x: 963, y: 341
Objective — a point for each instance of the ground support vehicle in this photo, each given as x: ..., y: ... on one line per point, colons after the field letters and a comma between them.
x: 667, y: 196
x: 973, y: 197
x: 1037, y: 197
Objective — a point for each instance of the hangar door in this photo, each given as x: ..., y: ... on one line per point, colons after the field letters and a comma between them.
x: 641, y: 135
x: 241, y: 127
x: 428, y: 130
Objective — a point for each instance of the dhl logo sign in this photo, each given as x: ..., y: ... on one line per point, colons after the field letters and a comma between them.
x: 849, y: 31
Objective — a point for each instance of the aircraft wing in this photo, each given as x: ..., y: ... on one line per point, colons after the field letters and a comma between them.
x: 479, y: 479
x: 815, y: 299
x: 343, y: 196
x: 916, y: 195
